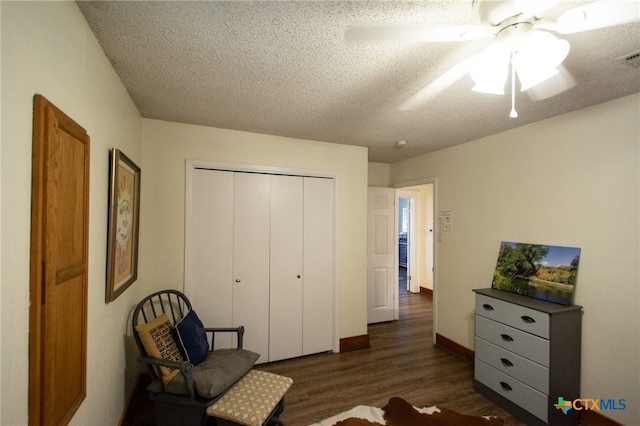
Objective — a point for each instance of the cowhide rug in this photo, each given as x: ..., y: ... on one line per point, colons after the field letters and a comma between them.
x: 399, y: 412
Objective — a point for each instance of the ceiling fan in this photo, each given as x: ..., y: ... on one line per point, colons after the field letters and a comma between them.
x: 523, y: 45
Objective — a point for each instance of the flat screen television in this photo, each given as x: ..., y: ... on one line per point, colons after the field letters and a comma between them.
x: 539, y: 271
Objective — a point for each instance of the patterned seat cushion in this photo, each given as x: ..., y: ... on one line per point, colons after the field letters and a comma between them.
x: 250, y: 401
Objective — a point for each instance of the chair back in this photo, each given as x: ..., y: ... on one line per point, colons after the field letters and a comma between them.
x: 171, y: 302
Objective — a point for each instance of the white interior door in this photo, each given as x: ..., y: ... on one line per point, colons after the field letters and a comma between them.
x: 208, y: 254
x: 318, y: 266
x: 251, y: 246
x: 381, y: 256
x: 286, y: 280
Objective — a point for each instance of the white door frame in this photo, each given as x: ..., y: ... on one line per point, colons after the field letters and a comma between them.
x: 192, y: 165
x: 434, y: 181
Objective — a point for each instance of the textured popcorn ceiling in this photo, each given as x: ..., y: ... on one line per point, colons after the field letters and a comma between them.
x: 284, y: 68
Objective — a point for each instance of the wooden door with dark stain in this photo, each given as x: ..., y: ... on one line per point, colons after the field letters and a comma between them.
x: 59, y: 266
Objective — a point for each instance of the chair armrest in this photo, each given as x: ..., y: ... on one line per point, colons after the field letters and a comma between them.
x: 184, y: 367
x: 213, y: 330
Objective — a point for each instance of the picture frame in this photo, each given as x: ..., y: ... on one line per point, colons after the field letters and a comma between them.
x: 124, y: 221
x: 544, y: 272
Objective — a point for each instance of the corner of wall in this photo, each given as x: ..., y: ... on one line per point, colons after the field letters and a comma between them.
x: 379, y: 174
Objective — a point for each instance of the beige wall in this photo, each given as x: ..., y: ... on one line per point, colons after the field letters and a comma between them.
x: 571, y: 180
x: 48, y: 48
x: 168, y: 145
x: 378, y: 174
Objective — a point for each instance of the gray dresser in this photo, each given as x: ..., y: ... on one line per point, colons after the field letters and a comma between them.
x: 527, y: 355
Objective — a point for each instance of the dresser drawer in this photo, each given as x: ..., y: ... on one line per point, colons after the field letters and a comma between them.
x: 524, y: 344
x: 534, y: 375
x: 526, y: 397
x: 520, y: 317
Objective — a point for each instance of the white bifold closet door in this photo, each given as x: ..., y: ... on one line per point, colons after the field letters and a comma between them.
x: 250, y: 246
x: 209, y: 250
x: 286, y: 279
x: 259, y: 253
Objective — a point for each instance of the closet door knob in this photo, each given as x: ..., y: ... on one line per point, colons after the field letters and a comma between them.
x: 298, y: 275
x: 237, y: 280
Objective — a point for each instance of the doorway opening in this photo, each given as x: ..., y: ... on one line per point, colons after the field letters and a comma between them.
x: 407, y: 238
x: 415, y: 243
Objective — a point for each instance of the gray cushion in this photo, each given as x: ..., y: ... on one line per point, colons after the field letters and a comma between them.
x: 217, y: 373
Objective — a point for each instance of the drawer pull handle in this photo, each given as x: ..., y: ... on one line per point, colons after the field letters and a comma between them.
x: 527, y: 319
x: 487, y: 307
x: 506, y: 386
x: 506, y: 362
x: 506, y: 338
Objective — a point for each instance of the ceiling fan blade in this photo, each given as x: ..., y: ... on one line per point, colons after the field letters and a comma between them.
x: 437, y: 86
x: 599, y: 14
x: 534, y: 7
x: 431, y: 33
x: 553, y: 86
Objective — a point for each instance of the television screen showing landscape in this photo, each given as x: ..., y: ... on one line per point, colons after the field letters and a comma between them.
x: 540, y: 271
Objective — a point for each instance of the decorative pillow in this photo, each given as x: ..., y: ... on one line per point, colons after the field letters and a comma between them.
x: 192, y: 338
x: 157, y: 339
x: 217, y: 373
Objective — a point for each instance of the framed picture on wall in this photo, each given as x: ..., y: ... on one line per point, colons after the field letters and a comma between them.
x: 124, y: 219
x: 541, y: 271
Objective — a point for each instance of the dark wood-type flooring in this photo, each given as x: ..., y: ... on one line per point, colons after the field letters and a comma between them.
x: 402, y: 361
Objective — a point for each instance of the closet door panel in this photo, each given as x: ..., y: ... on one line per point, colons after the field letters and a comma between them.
x: 260, y: 253
x: 208, y: 269
x: 318, y: 265
x: 251, y: 228
x: 286, y: 278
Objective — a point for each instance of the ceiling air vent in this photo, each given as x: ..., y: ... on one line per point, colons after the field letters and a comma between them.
x: 632, y: 59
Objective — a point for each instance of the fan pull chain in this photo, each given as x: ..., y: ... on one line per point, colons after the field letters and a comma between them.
x: 513, y: 113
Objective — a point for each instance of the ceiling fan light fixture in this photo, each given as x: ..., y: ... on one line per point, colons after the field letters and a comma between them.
x: 559, y: 83
x: 489, y: 87
x: 530, y: 77
x: 541, y: 49
x: 538, y: 58
x: 489, y: 70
